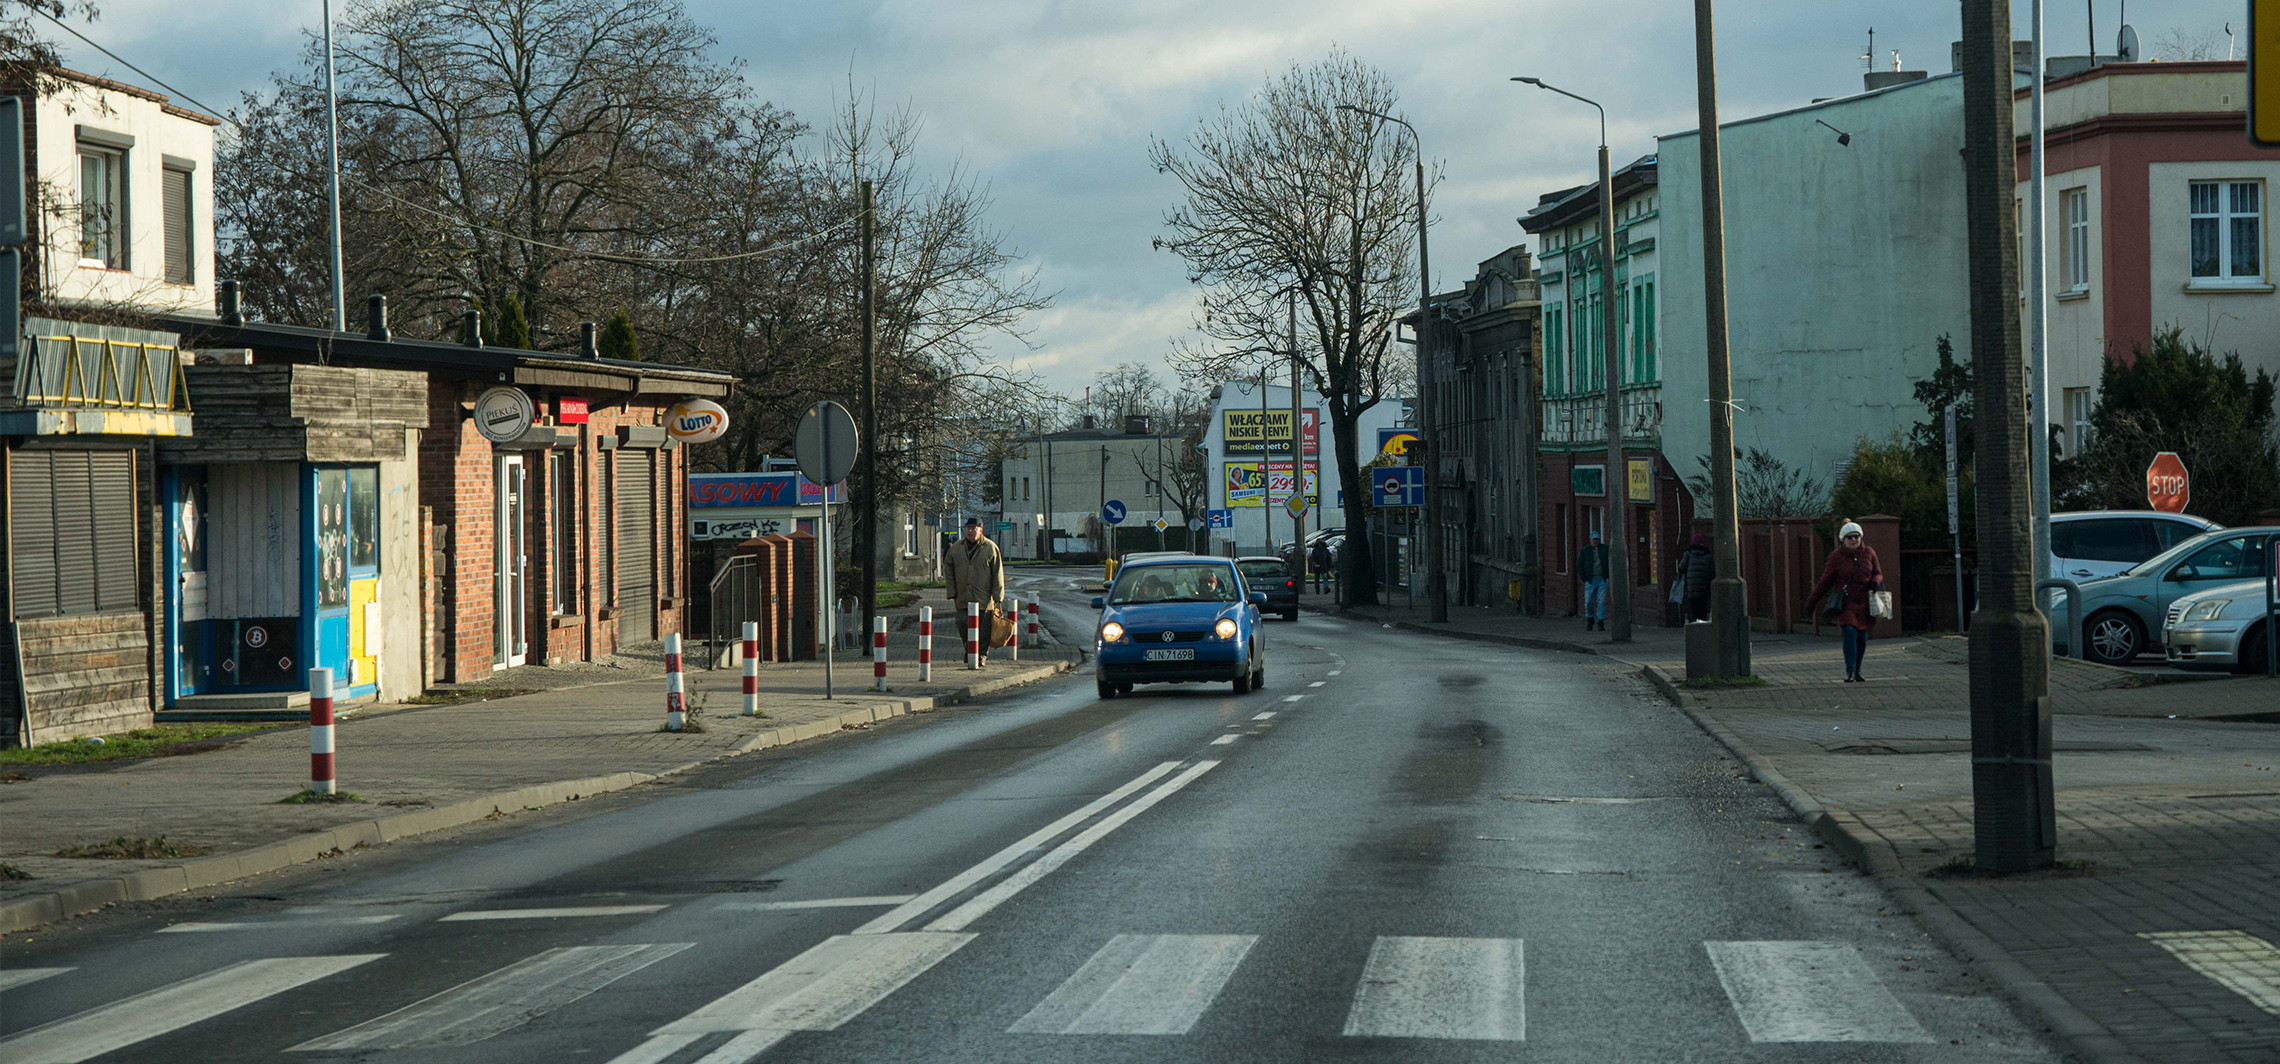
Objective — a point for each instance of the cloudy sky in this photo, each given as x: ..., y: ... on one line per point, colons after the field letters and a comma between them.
x: 1052, y: 102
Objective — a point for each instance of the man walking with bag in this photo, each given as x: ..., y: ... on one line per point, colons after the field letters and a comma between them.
x: 974, y: 571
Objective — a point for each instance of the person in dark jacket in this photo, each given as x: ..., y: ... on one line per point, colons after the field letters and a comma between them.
x: 1695, y: 569
x: 1853, y: 569
x: 1318, y: 561
x: 1591, y: 568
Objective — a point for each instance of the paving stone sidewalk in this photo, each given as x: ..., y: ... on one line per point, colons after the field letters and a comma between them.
x: 2168, y: 820
x: 418, y: 768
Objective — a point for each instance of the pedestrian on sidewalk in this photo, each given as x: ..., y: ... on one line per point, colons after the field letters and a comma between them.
x: 1318, y: 560
x: 974, y: 571
x: 1692, y: 580
x: 1591, y: 568
x: 1850, y: 574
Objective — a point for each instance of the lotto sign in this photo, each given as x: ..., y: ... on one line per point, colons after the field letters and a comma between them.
x: 2167, y: 488
x: 696, y: 421
x: 1249, y: 486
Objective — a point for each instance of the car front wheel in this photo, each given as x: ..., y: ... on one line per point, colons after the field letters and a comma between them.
x: 1105, y: 688
x: 2113, y: 638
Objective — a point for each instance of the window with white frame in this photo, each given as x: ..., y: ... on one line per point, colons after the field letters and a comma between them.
x: 2077, y: 203
x: 102, y: 206
x: 2228, y: 231
x: 2078, y: 416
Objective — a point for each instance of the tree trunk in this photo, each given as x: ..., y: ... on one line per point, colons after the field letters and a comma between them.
x: 1354, y: 562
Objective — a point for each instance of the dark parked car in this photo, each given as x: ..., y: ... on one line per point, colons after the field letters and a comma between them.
x: 1276, y: 577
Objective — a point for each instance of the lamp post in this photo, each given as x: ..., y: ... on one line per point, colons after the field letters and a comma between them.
x: 1616, y: 480
x: 1729, y: 606
x: 1428, y: 435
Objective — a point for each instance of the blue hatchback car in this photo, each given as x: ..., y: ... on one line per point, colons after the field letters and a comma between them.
x: 1179, y: 620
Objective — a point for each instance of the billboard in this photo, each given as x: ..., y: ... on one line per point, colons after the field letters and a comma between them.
x: 1247, y: 484
x: 1239, y: 430
x: 755, y: 491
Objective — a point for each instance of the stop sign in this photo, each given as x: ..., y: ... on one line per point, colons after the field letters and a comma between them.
x: 2166, y: 485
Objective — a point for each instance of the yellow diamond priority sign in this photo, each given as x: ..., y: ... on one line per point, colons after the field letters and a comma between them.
x: 2264, y: 72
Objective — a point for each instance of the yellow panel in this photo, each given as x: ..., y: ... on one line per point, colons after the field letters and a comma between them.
x: 360, y: 594
x: 2264, y: 72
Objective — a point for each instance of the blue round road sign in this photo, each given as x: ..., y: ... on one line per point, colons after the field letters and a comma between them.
x: 1112, y: 511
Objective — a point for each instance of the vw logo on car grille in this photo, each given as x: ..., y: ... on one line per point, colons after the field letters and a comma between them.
x: 1169, y: 636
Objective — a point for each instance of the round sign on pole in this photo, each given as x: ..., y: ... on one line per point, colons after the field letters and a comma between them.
x: 1195, y: 524
x: 2167, y: 487
x: 1112, y: 511
x: 825, y: 443
x: 503, y: 414
x: 696, y: 421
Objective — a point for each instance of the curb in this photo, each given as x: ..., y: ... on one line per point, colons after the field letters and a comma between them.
x: 2083, y: 1036
x: 32, y: 910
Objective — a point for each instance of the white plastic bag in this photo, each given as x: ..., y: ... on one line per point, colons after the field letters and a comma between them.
x: 1880, y: 603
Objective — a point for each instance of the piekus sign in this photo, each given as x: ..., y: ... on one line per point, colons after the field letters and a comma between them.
x: 2167, y: 487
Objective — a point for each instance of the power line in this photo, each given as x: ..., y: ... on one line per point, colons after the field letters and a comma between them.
x: 632, y: 260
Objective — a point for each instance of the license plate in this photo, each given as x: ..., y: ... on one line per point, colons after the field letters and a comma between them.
x: 1183, y: 654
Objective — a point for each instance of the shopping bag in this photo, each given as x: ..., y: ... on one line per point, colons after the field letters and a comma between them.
x: 1001, y: 627
x: 1880, y: 603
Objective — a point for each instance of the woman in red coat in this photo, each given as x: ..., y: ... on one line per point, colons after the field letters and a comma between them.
x: 1853, y: 569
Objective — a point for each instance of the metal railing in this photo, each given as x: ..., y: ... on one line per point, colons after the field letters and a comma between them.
x: 739, y: 594
x: 2074, y: 647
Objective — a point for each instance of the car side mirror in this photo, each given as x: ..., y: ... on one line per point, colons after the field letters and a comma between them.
x: 1258, y: 598
x: 1099, y: 602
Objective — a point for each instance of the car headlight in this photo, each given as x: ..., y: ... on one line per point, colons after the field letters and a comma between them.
x: 1112, y: 632
x: 2209, y: 610
x: 1225, y: 628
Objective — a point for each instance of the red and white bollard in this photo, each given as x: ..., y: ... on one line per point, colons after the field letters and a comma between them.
x: 925, y: 643
x: 676, y: 700
x: 1032, y: 624
x: 973, y: 635
x: 878, y: 653
x: 751, y: 668
x: 1014, y: 644
x: 321, y: 779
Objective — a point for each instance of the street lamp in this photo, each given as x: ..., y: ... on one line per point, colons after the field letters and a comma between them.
x: 1616, y: 480
x: 1427, y: 434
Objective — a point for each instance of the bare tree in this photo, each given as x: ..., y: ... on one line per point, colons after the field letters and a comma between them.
x: 2178, y: 44
x: 1285, y: 193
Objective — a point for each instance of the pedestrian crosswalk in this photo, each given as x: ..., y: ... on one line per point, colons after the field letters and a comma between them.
x: 1160, y: 985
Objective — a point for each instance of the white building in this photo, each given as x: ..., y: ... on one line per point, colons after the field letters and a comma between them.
x: 1056, y: 485
x: 134, y: 222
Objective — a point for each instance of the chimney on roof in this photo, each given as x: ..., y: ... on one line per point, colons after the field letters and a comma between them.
x: 471, y: 328
x: 588, y: 346
x: 1088, y: 422
x: 1135, y: 424
x: 232, y: 315
x: 376, y: 319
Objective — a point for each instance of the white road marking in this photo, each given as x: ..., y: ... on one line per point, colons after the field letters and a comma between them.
x: 743, y: 1047
x: 1468, y: 988
x: 1268, y: 715
x: 148, y: 1015
x: 980, y: 905
x: 261, y: 925
x: 991, y: 865
x: 1809, y: 992
x: 814, y: 903
x: 1224, y: 740
x: 1140, y: 984
x: 2245, y: 964
x: 830, y: 984
x: 1293, y: 698
x: 550, y: 914
x: 1334, y: 672
x: 655, y: 1049
x: 1317, y: 683
x: 11, y: 978
x: 500, y: 1001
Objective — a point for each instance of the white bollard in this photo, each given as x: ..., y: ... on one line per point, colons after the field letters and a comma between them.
x: 676, y: 700
x: 973, y: 635
x: 751, y: 668
x: 1014, y: 645
x: 878, y: 653
x: 925, y: 643
x: 321, y: 777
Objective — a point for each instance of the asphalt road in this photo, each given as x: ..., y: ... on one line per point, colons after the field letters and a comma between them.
x: 1404, y: 848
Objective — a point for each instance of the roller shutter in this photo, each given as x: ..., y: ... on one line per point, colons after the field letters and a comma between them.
x: 636, y: 551
x: 72, y: 516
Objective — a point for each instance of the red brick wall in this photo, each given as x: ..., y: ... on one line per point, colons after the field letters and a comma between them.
x: 1666, y: 521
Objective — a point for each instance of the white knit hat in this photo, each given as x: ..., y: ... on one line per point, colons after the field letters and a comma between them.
x: 1850, y: 529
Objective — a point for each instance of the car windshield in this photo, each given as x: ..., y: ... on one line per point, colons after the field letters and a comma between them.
x: 1174, y: 583
x: 2155, y: 563
x: 1264, y: 570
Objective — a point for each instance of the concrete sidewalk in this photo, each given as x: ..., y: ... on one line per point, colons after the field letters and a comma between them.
x: 422, y: 768
x: 2168, y: 820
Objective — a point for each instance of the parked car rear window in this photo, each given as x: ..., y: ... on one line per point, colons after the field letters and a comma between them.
x: 2172, y: 533
x: 1174, y: 583
x: 2120, y: 539
x: 1264, y: 570
x: 2231, y: 559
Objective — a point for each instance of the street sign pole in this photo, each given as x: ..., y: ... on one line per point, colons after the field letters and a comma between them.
x: 825, y: 446
x: 1955, y: 525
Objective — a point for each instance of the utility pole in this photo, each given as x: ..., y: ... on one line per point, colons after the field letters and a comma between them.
x: 870, y: 537
x: 2038, y: 305
x: 1729, y: 605
x: 1297, y: 448
x: 1618, y: 478
x: 332, y: 175
x: 2013, y: 816
x: 1266, y: 466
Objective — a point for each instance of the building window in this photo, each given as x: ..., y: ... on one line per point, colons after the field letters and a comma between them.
x: 174, y: 212
x: 564, y: 503
x: 1554, y: 347
x: 910, y: 535
x: 2078, y: 412
x: 605, y: 539
x: 2077, y: 239
x: 2228, y: 230
x: 1643, y: 332
x: 102, y: 207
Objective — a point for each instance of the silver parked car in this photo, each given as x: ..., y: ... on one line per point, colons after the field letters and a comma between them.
x: 2218, y: 628
x: 2088, y: 544
x: 2123, y: 614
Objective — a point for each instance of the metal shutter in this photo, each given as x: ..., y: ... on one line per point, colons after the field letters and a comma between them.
x: 636, y: 561
x: 174, y: 209
x: 74, y: 544
x: 31, y: 518
x: 111, y: 488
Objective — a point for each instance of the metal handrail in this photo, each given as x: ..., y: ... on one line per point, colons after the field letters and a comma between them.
x: 730, y: 610
x: 2074, y: 647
